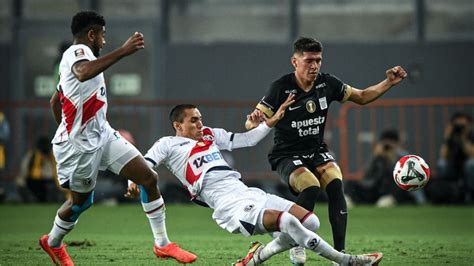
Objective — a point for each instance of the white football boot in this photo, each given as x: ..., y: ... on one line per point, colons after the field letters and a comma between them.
x: 364, y: 260
x: 297, y: 256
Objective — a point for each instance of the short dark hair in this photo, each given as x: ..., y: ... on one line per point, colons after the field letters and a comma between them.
x: 306, y: 44
x: 458, y: 115
x: 177, y: 113
x: 390, y: 134
x: 83, y: 21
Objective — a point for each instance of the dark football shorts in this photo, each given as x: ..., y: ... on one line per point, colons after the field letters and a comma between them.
x: 286, y: 164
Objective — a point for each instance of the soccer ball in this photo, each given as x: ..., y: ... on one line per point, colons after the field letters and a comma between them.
x: 411, y: 173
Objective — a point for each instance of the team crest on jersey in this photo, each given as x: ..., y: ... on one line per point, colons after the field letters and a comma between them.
x: 208, y: 137
x: 311, y: 106
x: 249, y: 208
x: 323, y: 103
x: 79, y: 52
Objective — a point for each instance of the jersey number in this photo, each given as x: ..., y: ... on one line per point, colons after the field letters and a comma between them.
x: 327, y: 156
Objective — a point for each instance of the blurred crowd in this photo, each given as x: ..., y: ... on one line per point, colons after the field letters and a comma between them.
x: 452, y: 178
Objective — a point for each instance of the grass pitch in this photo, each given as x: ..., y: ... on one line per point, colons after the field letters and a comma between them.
x: 121, y: 235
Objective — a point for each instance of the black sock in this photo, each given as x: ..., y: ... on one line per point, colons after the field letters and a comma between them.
x: 307, y: 198
x: 337, y: 213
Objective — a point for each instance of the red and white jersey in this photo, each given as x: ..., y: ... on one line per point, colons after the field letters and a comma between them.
x: 188, y: 159
x: 84, y: 104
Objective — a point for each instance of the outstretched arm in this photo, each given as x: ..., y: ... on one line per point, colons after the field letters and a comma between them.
x: 85, y: 70
x: 394, y: 76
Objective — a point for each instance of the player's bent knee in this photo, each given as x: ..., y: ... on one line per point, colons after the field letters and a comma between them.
x: 269, y: 221
x: 329, y: 175
x: 293, y: 222
x: 311, y: 222
x: 149, y: 179
x: 303, y: 181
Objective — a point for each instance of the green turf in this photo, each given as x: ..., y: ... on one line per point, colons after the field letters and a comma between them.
x: 121, y: 235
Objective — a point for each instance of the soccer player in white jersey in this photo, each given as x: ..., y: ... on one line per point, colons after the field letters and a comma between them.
x: 85, y: 142
x: 193, y: 156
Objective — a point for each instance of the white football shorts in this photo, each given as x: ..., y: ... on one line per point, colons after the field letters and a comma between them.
x: 238, y: 208
x: 81, y: 169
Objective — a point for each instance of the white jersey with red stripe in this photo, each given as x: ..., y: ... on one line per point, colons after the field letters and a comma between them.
x: 201, y: 168
x: 84, y: 104
x: 189, y: 159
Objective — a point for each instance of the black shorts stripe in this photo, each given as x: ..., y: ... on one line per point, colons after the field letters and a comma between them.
x: 150, y: 160
x: 220, y: 168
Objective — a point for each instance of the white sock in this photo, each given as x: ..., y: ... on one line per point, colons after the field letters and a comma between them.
x: 60, y: 229
x: 277, y: 245
x: 275, y: 234
x: 291, y: 225
x: 311, y: 222
x: 155, y: 211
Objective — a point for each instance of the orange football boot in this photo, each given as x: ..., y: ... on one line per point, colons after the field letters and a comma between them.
x: 172, y: 250
x: 59, y: 255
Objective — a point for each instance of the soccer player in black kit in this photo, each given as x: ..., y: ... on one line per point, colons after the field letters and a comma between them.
x: 299, y: 153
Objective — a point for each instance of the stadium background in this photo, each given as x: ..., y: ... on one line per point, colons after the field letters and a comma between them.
x: 223, y: 54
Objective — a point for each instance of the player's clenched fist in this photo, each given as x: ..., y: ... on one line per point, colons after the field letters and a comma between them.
x: 134, y: 43
x: 396, y: 74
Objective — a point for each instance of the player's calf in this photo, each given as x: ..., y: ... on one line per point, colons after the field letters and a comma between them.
x: 310, y: 221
